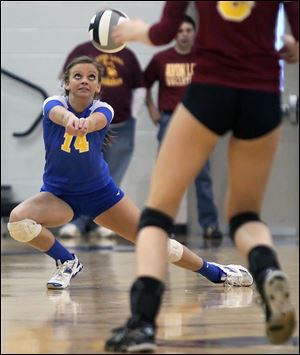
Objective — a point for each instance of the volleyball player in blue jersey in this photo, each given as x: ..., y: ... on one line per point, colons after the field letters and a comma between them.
x: 77, y: 182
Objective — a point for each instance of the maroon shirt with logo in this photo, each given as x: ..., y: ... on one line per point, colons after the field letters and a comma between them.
x: 122, y: 74
x: 174, y: 72
x: 234, y: 45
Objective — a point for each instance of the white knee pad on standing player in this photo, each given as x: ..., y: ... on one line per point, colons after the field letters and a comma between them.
x: 24, y: 231
x: 175, y: 250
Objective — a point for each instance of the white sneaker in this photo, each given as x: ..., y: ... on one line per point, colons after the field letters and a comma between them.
x: 64, y: 273
x: 235, y: 275
x: 69, y: 230
x: 280, y: 313
x: 105, y: 232
x: 102, y: 237
x: 70, y: 235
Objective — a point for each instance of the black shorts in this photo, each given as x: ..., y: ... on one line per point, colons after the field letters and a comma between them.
x: 247, y: 113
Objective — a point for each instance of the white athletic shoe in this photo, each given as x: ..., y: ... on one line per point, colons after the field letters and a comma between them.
x: 105, y: 232
x: 64, y: 273
x: 280, y: 314
x: 235, y: 275
x: 69, y: 235
x: 102, y: 237
x: 69, y: 230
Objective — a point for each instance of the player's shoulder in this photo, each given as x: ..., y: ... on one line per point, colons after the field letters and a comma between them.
x: 100, y: 104
x: 61, y: 99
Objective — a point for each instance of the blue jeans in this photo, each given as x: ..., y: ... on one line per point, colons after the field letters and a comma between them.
x: 118, y: 157
x: 119, y: 154
x: 207, y: 211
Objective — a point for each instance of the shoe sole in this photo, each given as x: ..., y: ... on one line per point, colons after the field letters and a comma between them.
x: 53, y: 286
x: 140, y: 348
x: 281, y: 324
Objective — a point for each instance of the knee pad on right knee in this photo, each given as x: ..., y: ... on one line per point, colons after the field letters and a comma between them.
x: 25, y: 230
x: 175, y: 251
x: 155, y: 218
x: 238, y: 220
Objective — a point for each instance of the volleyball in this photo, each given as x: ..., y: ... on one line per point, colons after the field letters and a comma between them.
x: 100, y: 29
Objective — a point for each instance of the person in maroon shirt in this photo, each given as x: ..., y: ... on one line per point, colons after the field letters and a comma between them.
x: 122, y: 78
x: 173, y: 69
x: 235, y: 88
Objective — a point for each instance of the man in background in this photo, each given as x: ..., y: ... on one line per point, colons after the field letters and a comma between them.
x: 173, y: 69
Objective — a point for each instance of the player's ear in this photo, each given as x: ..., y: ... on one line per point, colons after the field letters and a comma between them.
x: 98, y: 89
x: 66, y: 85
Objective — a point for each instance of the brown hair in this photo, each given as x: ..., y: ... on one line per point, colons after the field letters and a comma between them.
x: 82, y: 60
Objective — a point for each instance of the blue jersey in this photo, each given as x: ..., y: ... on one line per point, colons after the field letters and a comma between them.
x: 74, y: 165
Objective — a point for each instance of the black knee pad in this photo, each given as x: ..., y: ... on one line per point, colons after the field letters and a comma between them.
x: 152, y: 217
x: 239, y: 219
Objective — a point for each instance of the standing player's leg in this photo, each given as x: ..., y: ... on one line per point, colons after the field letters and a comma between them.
x: 249, y: 166
x: 190, y: 143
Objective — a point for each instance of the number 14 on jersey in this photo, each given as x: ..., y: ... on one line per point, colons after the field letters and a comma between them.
x: 80, y: 143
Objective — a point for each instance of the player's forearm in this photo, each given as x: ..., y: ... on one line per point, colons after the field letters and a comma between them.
x: 96, y: 122
x: 60, y: 115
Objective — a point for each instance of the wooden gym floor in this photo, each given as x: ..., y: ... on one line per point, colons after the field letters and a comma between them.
x: 197, y: 317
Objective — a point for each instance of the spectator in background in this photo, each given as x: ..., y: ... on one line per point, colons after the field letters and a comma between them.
x: 122, y: 78
x: 173, y: 69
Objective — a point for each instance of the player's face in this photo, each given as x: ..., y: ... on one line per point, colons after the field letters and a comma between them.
x: 185, y: 35
x: 83, y: 80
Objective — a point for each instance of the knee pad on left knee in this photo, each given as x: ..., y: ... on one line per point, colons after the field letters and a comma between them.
x: 238, y: 220
x: 155, y: 218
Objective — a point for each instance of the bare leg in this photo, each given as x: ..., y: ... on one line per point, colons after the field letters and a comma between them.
x: 47, y: 210
x: 190, y: 143
x: 249, y: 166
x: 123, y: 219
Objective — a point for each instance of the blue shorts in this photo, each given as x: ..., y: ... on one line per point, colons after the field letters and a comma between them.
x: 94, y: 203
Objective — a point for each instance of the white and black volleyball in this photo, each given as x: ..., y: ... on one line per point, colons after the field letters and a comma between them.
x: 100, y: 29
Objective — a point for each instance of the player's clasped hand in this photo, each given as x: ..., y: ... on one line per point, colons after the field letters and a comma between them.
x: 82, y: 127
x: 77, y: 126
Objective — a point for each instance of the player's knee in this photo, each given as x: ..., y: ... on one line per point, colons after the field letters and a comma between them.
x: 24, y: 230
x: 239, y: 219
x: 156, y: 218
x: 175, y: 251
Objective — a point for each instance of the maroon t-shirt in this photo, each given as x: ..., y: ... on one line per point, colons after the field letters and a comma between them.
x: 234, y: 45
x: 122, y: 74
x: 174, y: 72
